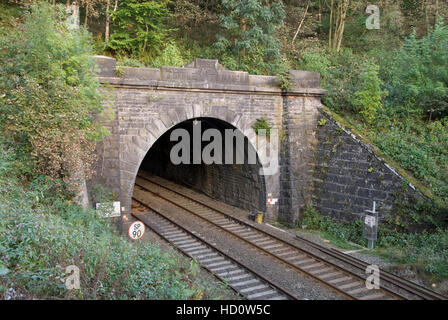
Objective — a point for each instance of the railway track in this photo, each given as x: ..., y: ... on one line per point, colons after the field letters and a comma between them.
x: 240, y: 278
x: 422, y: 292
x: 343, y: 280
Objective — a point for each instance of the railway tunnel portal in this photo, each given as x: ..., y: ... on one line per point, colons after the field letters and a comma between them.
x: 238, y: 183
x: 317, y: 161
x: 145, y: 105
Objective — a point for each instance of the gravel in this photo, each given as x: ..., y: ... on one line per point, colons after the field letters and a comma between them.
x: 304, y: 287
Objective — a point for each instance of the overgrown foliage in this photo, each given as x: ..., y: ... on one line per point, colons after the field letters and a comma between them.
x: 407, y: 58
x: 140, y: 28
x: 398, y: 100
x: 425, y: 252
x: 421, y: 148
x: 248, y: 41
x: 368, y: 100
x: 262, y: 124
x: 418, y: 75
x: 48, y: 94
x: 42, y: 232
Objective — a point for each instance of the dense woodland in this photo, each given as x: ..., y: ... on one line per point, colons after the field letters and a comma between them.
x: 389, y: 83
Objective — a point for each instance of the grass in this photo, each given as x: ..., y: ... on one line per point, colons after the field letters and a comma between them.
x: 425, y: 253
x: 42, y: 232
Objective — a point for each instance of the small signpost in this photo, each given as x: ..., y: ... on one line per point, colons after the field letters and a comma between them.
x: 136, y: 230
x: 371, y: 226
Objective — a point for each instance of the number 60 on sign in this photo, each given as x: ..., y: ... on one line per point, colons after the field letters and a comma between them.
x: 136, y: 230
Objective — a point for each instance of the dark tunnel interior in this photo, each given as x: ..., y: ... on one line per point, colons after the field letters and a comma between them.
x: 239, y: 185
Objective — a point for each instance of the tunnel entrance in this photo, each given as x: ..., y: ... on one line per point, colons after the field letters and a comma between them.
x: 238, y: 184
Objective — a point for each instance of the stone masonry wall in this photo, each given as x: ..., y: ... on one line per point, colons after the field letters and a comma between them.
x: 144, y: 115
x: 319, y: 163
x: 145, y: 103
x: 297, y: 155
x: 348, y: 176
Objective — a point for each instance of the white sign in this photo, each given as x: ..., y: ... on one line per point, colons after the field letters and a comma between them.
x: 109, y: 209
x: 136, y: 230
x: 370, y: 221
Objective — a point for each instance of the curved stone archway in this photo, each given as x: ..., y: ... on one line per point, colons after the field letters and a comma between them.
x: 147, y: 102
x: 136, y: 147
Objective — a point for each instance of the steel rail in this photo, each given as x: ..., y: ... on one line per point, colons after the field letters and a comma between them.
x: 404, y: 284
x: 342, y: 270
x: 249, y: 269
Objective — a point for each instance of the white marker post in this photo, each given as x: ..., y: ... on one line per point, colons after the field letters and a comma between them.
x: 136, y: 230
x: 371, y: 226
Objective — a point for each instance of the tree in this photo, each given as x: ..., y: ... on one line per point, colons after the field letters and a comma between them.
x: 368, y: 100
x: 89, y: 9
x: 139, y: 26
x: 108, y: 17
x: 48, y: 94
x: 338, y: 15
x: 249, y: 33
x: 301, y: 22
x: 418, y: 76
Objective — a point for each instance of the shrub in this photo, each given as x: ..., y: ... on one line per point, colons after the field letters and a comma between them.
x: 311, y: 218
x: 247, y: 41
x: 417, y: 78
x: 262, y: 124
x: 426, y: 251
x: 340, y: 73
x: 171, y: 55
x: 421, y: 148
x: 139, y: 27
x: 368, y: 98
x: 48, y: 94
x: 42, y: 232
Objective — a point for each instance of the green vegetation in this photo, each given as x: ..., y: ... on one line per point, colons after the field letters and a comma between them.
x: 389, y: 84
x: 425, y: 253
x: 367, y: 100
x: 248, y: 40
x: 417, y: 76
x: 140, y: 28
x: 339, y: 234
x: 48, y: 95
x: 262, y: 124
x: 398, y: 103
x: 42, y: 232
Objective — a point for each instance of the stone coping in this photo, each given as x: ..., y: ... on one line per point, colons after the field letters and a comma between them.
x: 199, y: 86
x: 205, y: 74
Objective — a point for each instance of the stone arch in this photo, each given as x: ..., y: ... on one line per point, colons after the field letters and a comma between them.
x: 134, y: 148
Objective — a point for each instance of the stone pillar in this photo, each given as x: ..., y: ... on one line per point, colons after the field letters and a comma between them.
x: 300, y: 115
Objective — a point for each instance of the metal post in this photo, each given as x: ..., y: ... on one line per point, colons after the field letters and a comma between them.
x: 371, y: 226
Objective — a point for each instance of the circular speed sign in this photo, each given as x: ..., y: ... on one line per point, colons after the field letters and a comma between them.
x: 136, y: 230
